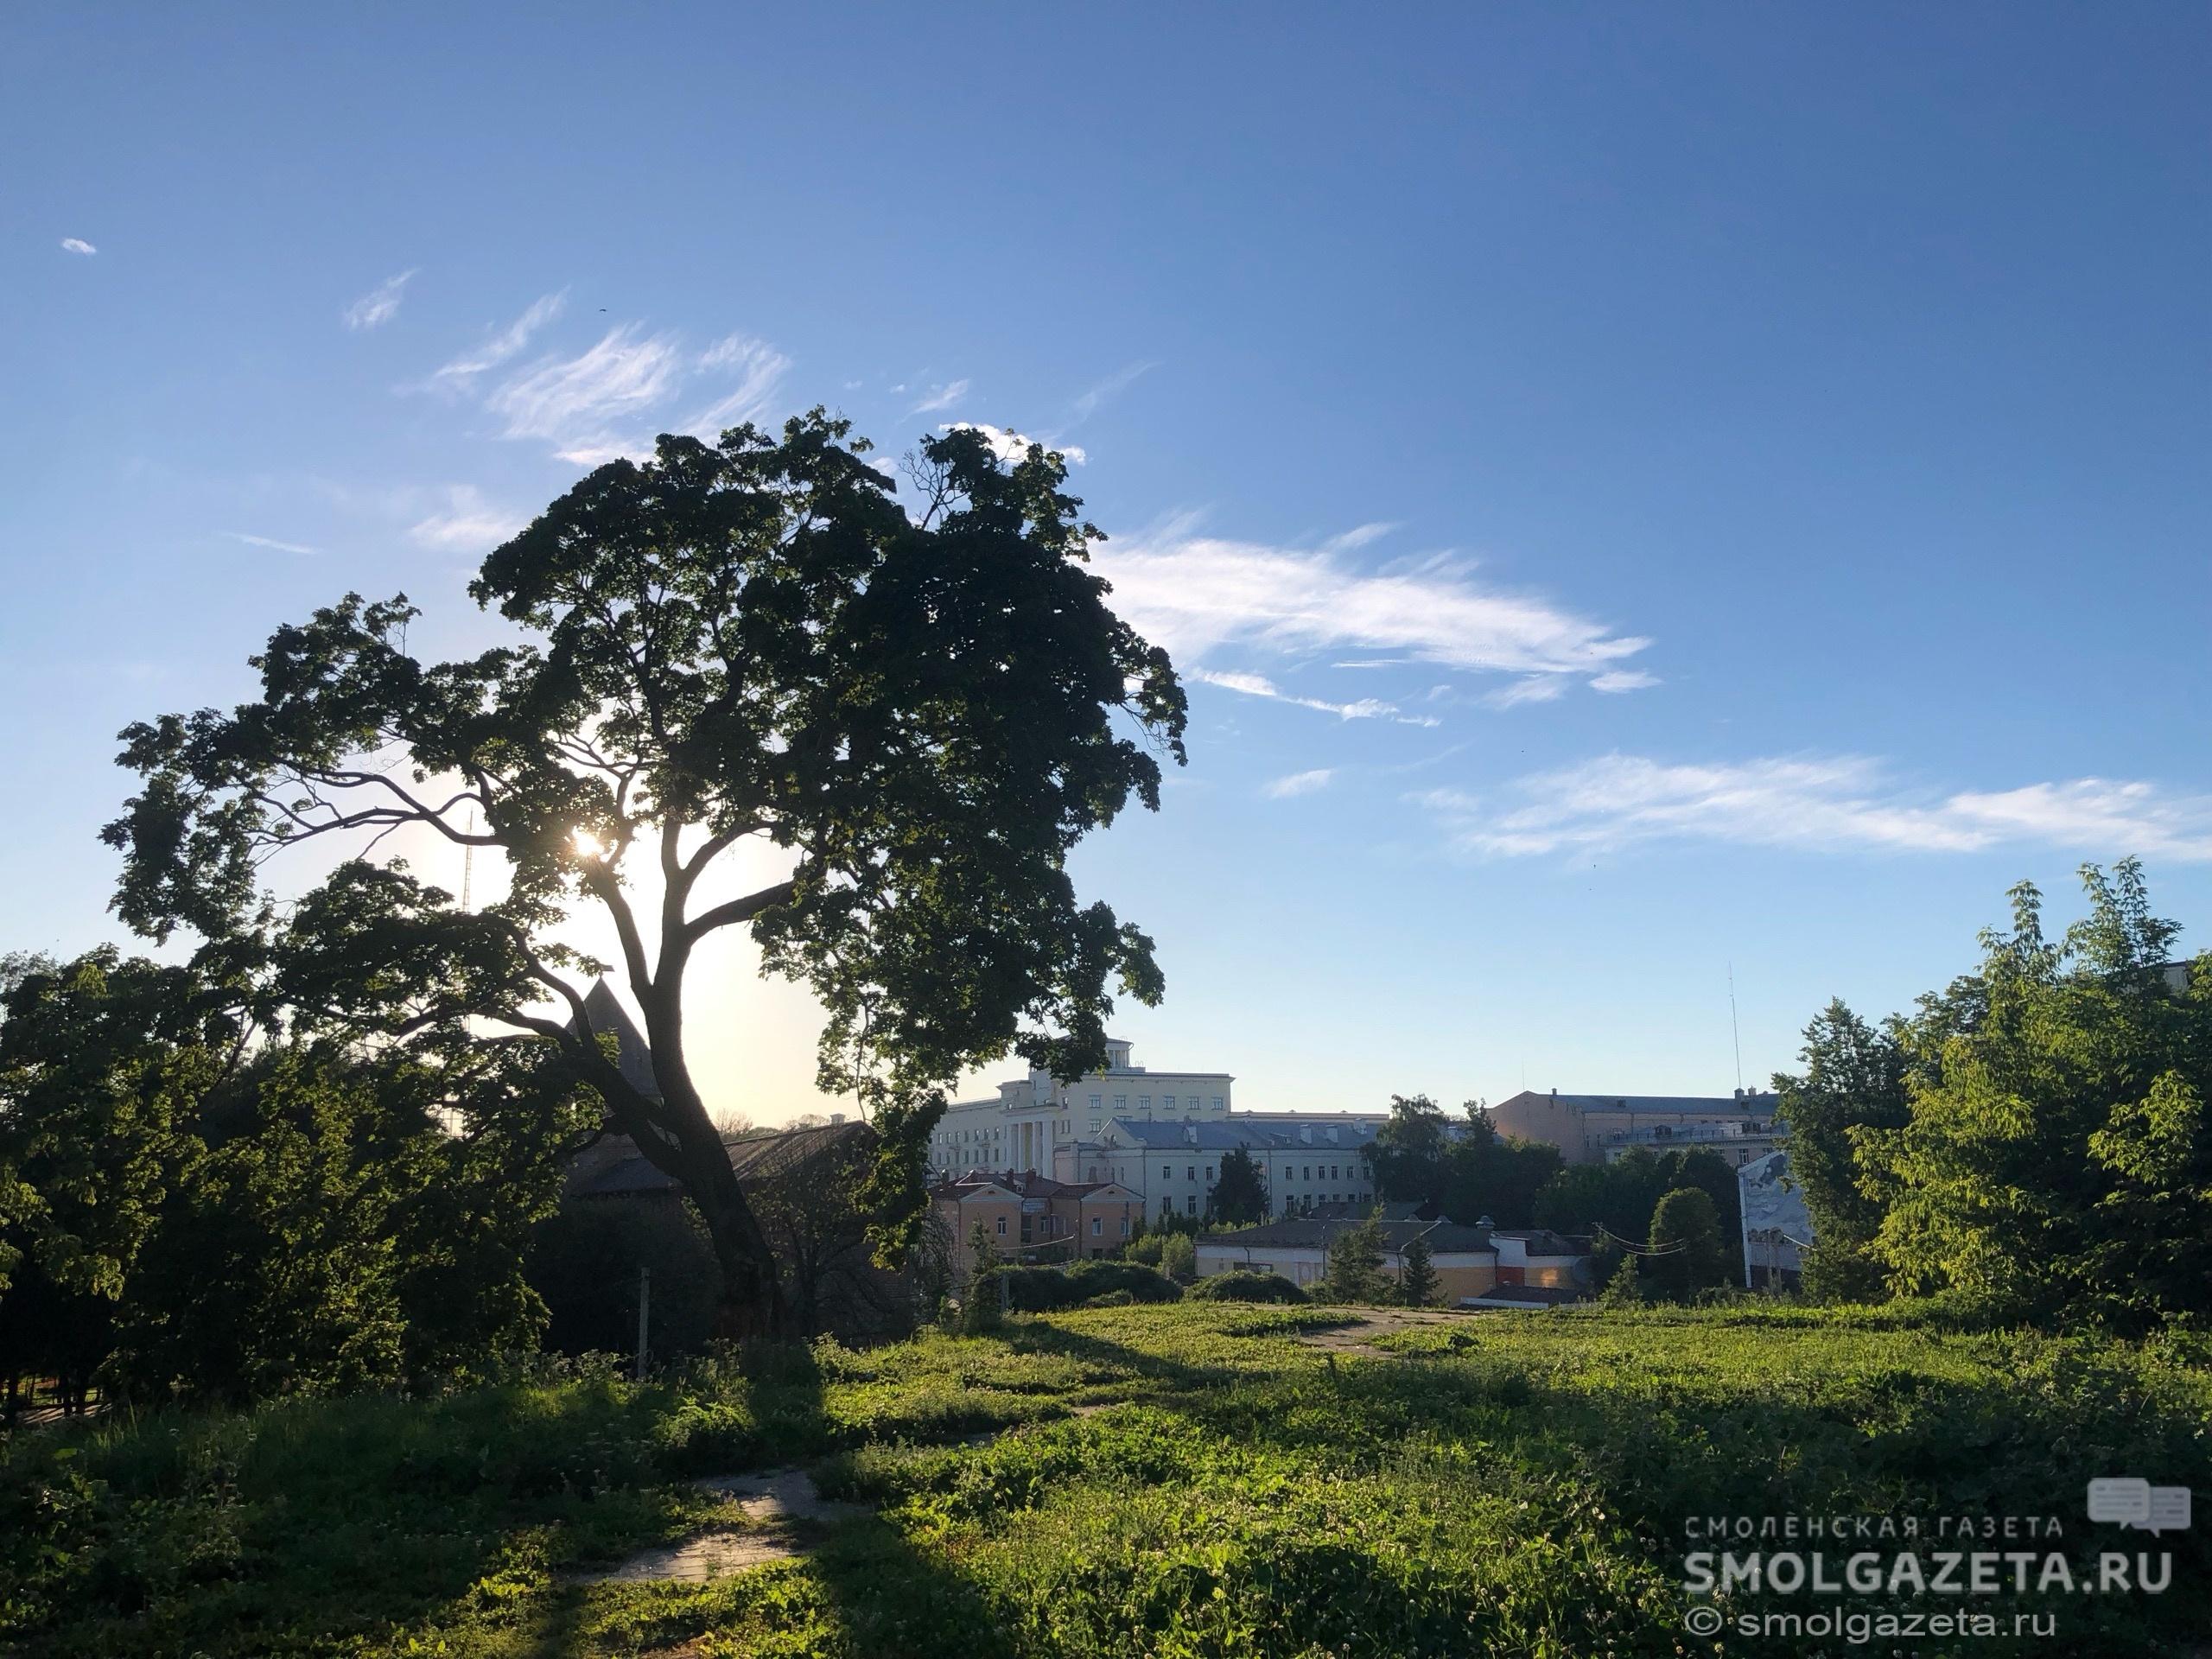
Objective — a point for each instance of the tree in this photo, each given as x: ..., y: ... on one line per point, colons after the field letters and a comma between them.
x: 1624, y: 1287
x: 1355, y: 1272
x: 2057, y: 1159
x: 1411, y: 1150
x: 1464, y: 1170
x: 245, y: 1216
x: 1490, y: 1175
x: 983, y: 1253
x: 1854, y: 1078
x: 1687, y: 1255
x: 740, y: 645
x: 1179, y: 1258
x: 1240, y: 1196
x: 1417, y: 1272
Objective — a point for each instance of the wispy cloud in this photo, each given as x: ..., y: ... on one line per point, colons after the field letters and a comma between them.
x: 1119, y: 381
x: 944, y: 396
x: 507, y: 343
x: 379, y: 305
x: 1259, y: 685
x: 607, y: 401
x: 1195, y: 594
x: 1536, y: 688
x: 1299, y: 783
x: 271, y: 542
x: 468, y: 524
x: 1845, y: 802
x: 1010, y: 446
x: 759, y: 368
x: 577, y: 403
x: 77, y: 244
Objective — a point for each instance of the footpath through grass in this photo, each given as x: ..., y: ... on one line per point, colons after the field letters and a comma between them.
x: 1504, y: 1484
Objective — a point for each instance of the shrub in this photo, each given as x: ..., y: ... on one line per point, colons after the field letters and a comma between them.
x: 1040, y: 1290
x: 1247, y: 1287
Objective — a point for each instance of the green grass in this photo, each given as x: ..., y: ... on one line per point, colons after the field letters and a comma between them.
x: 1513, y: 1484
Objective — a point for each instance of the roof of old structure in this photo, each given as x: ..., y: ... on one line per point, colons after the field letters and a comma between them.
x: 604, y: 1014
x: 754, y: 1157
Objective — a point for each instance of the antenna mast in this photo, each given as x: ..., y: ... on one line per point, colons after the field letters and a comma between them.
x: 1735, y: 1032
x: 469, y: 863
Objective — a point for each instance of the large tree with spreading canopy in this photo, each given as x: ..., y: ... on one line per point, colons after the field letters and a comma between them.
x: 920, y: 711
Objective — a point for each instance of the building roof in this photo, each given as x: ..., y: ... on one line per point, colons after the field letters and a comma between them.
x: 1542, y: 1241
x: 1523, y: 1296
x: 1749, y: 1104
x: 1256, y: 1132
x: 1320, y: 1232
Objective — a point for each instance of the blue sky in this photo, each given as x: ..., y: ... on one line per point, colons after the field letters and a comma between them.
x: 1637, y: 490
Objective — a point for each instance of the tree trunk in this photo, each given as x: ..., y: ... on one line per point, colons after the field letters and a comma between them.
x: 753, y: 1303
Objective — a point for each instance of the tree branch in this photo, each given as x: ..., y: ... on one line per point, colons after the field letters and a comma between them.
x: 737, y: 910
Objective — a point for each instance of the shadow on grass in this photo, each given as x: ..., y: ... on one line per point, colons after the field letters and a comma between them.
x: 857, y: 1588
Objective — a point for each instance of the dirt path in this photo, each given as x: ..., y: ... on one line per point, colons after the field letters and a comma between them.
x: 1357, y: 1336
x: 771, y: 1504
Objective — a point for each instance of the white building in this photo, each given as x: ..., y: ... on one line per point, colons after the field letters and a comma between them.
x: 1306, y: 1159
x: 1033, y: 1118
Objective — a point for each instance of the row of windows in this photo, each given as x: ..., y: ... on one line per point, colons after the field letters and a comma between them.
x: 1302, y: 1172
x: 1097, y: 1226
x: 1144, y: 1103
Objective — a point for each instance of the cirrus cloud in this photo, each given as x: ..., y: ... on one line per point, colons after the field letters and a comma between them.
x: 1197, y: 594
x: 379, y: 305
x: 1827, y: 803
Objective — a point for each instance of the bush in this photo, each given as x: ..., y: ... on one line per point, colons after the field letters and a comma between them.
x: 1247, y: 1287
x: 1178, y: 1259
x: 1146, y: 1249
x: 1040, y: 1290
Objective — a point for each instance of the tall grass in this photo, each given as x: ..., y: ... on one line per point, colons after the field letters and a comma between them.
x: 1513, y: 1484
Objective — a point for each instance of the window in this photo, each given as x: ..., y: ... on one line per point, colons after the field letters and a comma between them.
x: 1125, y: 1225
x: 1144, y: 1102
x: 1209, y: 1172
x: 1191, y: 1205
x: 1190, y: 1171
x: 1093, y: 1126
x: 1308, y: 1175
x: 1168, y: 1102
x: 1097, y: 1226
x: 1001, y: 1226
x: 1166, y: 1206
x: 1217, y: 1103
x: 1120, y: 1103
x: 1095, y: 1102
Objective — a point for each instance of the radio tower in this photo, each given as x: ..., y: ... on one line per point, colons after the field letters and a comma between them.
x: 1735, y: 1033
x: 468, y: 868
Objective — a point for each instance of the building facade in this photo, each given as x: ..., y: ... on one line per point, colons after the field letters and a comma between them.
x: 1474, y: 1265
x: 1306, y: 1159
x: 1024, y: 1127
x: 1032, y: 1219
x: 1596, y: 1128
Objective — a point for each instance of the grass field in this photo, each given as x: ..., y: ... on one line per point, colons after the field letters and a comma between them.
x: 1515, y: 1485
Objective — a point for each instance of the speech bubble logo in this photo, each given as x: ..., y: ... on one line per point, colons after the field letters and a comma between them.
x: 2169, y: 1510
x: 2127, y: 1502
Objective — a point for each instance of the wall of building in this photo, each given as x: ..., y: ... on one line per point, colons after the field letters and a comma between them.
x: 1031, y: 1119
